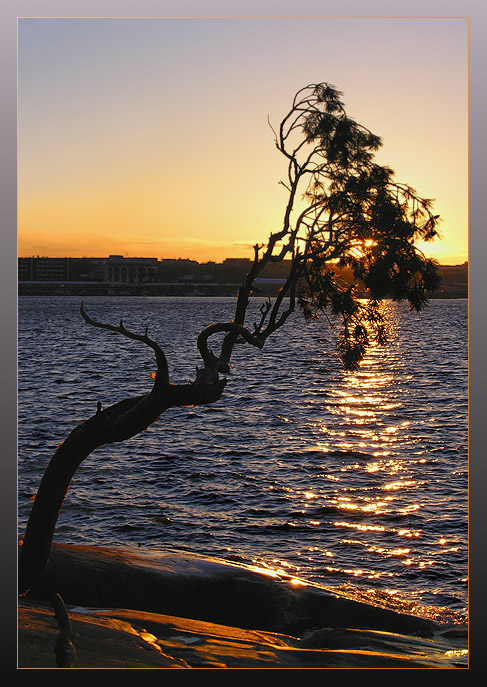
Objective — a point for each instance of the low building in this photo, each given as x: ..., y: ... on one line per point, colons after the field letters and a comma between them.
x: 131, y: 270
x: 43, y: 269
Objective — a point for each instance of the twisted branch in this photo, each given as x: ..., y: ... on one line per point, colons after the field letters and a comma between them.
x: 162, y: 374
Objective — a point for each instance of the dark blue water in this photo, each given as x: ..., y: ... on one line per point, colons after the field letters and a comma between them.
x: 356, y: 481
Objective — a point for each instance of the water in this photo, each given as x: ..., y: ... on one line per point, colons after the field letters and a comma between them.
x: 355, y: 481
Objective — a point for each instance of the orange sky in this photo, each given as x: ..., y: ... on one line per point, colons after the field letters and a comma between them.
x: 149, y: 137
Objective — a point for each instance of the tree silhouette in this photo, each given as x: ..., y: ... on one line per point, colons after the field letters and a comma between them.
x: 342, y: 210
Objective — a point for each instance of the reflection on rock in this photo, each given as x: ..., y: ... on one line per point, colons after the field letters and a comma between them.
x: 131, y: 608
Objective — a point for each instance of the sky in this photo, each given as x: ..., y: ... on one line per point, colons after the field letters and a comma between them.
x: 150, y: 137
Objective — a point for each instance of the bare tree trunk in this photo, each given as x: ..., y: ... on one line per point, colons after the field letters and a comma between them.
x: 131, y: 416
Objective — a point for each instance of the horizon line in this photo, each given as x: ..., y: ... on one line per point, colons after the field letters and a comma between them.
x: 152, y: 257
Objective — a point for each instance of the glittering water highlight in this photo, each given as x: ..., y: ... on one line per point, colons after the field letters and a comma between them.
x: 356, y: 481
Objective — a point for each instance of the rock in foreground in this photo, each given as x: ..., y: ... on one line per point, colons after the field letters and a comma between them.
x: 131, y: 609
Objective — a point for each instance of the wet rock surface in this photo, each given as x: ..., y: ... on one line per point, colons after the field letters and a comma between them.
x: 133, y: 609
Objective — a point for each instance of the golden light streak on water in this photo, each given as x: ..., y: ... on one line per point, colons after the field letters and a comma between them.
x: 399, y: 485
x: 391, y: 466
x: 408, y: 533
x: 361, y: 528
x: 409, y: 509
x: 346, y: 453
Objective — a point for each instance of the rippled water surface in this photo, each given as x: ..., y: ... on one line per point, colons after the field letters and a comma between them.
x: 351, y: 480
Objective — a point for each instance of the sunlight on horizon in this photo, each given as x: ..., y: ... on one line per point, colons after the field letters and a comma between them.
x: 137, y: 138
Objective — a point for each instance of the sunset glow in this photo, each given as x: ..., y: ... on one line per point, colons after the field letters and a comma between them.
x: 150, y: 137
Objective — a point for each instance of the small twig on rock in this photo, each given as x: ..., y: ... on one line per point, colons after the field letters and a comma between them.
x: 64, y: 649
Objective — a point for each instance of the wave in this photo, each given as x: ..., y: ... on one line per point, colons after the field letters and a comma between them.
x: 250, y: 462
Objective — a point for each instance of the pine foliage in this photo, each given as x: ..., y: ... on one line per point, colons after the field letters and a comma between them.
x: 357, y: 216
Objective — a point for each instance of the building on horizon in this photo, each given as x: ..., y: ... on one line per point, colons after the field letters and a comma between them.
x: 131, y: 270
x: 150, y: 271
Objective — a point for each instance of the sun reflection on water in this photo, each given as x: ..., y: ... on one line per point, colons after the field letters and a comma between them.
x: 367, y: 436
x: 364, y: 433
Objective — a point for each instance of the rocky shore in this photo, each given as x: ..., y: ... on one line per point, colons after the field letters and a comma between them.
x: 139, y: 609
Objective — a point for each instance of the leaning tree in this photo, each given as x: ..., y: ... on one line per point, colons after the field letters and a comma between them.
x: 343, y: 210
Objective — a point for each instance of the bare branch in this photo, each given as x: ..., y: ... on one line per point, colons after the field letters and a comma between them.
x: 222, y: 364
x: 276, y: 322
x: 273, y: 130
x: 162, y: 375
x: 264, y: 311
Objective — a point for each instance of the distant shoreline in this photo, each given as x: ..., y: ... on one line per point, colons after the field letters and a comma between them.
x: 205, y: 290
x: 119, y: 276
